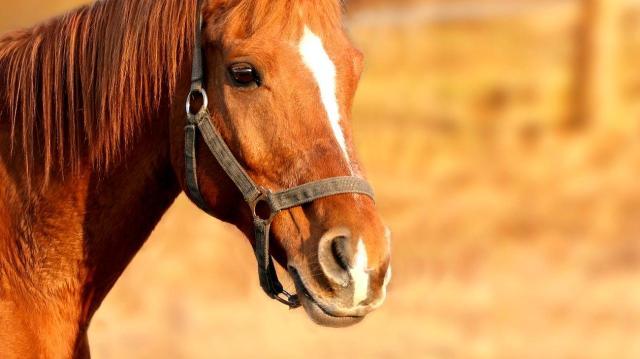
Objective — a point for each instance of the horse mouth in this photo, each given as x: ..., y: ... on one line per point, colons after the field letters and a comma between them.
x: 320, y: 312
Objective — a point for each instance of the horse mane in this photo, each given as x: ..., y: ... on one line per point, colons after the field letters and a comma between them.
x: 75, y: 88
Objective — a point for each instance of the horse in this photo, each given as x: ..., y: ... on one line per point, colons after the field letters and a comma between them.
x: 94, y: 149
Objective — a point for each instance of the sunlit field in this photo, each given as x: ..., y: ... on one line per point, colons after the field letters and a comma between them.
x: 516, y: 228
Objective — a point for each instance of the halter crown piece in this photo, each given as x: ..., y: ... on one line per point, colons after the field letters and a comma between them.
x: 254, y: 195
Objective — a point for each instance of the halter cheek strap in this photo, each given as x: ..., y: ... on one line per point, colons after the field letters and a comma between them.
x: 254, y: 195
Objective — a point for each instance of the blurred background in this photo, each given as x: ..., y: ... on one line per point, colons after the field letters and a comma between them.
x: 502, y: 138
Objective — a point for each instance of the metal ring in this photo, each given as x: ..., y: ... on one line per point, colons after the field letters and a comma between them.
x: 290, y: 300
x: 264, y: 197
x: 205, y: 101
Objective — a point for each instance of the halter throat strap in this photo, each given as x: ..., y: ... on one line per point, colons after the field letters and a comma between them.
x: 255, y: 196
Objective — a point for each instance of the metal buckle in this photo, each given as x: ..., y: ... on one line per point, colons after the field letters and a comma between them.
x: 205, y: 102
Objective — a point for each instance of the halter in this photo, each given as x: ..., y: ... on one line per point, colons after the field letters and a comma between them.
x: 258, y: 198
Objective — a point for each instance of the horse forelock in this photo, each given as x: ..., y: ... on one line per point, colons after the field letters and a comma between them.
x: 246, y: 18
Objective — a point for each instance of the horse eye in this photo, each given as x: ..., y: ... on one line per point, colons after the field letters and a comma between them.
x: 244, y: 74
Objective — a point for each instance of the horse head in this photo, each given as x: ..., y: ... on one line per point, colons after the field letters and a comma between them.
x: 281, y: 78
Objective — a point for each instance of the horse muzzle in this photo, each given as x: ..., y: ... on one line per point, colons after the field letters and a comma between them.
x: 343, y: 289
x: 330, y: 312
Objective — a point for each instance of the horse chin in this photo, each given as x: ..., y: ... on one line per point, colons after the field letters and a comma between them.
x: 317, y: 312
x: 320, y: 317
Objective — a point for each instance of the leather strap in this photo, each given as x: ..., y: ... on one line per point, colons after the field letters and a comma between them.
x: 252, y: 193
x: 310, y: 192
x: 227, y: 160
x: 197, y: 69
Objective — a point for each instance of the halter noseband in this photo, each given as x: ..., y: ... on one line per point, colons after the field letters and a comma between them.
x: 254, y: 195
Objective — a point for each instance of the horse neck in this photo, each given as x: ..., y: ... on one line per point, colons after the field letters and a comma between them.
x: 62, y: 251
x: 122, y: 208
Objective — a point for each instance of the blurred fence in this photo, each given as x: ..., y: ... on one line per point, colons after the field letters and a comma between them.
x: 599, y: 27
x: 422, y: 13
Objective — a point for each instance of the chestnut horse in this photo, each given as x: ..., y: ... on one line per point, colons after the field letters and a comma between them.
x: 92, y: 146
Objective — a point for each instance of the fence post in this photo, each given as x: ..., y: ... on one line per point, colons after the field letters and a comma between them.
x: 598, y: 79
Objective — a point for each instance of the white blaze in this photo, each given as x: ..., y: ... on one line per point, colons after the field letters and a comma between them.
x: 360, y: 275
x: 315, y: 57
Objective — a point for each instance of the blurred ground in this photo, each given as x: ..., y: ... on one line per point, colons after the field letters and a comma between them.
x: 515, y: 236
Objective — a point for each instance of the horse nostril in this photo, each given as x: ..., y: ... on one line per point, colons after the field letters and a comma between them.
x: 341, y: 252
x: 335, y: 256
